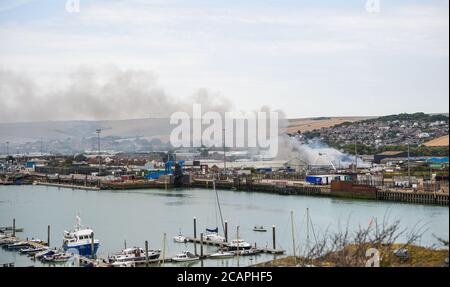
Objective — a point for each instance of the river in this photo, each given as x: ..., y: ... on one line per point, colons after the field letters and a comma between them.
x: 139, y: 215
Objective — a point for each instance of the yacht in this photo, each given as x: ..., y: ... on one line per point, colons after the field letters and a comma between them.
x: 180, y: 238
x: 222, y: 254
x: 239, y: 244
x: 79, y: 240
x: 185, y: 256
x: 132, y: 255
x: 212, y: 235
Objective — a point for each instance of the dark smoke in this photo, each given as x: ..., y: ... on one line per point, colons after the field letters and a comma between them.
x: 93, y: 94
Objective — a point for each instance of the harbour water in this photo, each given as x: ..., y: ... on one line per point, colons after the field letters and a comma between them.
x: 138, y: 215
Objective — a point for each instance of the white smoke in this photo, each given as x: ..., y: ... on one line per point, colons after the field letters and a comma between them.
x: 316, y: 153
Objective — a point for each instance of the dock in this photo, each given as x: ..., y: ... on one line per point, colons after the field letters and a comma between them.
x: 266, y: 250
x: 71, y: 186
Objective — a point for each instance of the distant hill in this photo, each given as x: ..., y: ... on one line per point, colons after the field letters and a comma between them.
x: 310, y: 124
x: 35, y: 131
x: 441, y: 141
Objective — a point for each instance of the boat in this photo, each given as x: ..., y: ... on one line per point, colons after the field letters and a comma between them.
x: 212, y: 235
x: 180, y: 239
x: 80, y: 240
x: 43, y: 253
x: 32, y: 250
x: 37, y: 240
x: 134, y: 254
x: 18, y: 245
x: 7, y: 241
x: 222, y: 254
x: 259, y: 228
x: 124, y: 264
x: 59, y: 257
x: 238, y: 244
x: 247, y: 252
x: 185, y: 256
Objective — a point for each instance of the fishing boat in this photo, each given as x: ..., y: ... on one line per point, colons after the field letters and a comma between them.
x: 185, y: 257
x: 133, y: 254
x: 259, y: 228
x: 222, y: 254
x: 80, y: 240
x: 238, y: 244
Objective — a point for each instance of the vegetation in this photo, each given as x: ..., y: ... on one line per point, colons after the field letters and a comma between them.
x: 346, y: 249
x: 414, y: 150
x: 411, y: 117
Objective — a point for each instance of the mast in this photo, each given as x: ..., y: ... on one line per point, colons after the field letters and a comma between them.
x: 218, y: 204
x: 307, y: 228
x: 293, y: 235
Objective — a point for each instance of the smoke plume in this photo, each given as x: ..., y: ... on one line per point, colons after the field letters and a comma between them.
x: 95, y: 94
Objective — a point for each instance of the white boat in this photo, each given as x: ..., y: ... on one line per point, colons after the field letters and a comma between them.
x: 247, y: 252
x: 134, y: 254
x: 57, y: 258
x: 222, y: 254
x: 213, y: 237
x: 32, y: 250
x: 185, y: 256
x: 124, y: 264
x: 80, y: 240
x: 180, y: 239
x: 239, y: 244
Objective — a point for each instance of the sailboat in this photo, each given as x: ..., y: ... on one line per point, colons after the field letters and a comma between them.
x: 212, y: 234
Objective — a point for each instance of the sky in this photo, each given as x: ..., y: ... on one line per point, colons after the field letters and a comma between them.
x: 305, y: 58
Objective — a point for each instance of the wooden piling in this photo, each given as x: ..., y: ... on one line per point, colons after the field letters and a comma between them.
x: 92, y: 246
x: 201, y: 245
x: 226, y: 231
x: 274, y: 245
x: 146, y: 253
x: 14, y: 227
x: 195, y: 235
x: 48, y: 235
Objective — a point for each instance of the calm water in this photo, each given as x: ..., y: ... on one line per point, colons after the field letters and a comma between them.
x: 139, y: 215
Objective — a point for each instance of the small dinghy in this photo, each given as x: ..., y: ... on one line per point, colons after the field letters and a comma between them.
x: 259, y: 228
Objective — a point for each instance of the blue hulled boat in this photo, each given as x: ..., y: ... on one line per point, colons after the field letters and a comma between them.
x: 79, y: 241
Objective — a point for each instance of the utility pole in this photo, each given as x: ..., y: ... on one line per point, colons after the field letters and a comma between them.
x: 224, y: 154
x: 409, y: 170
x: 98, y: 131
x: 356, y: 158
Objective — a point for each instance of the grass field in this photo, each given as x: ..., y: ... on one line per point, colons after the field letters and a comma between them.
x: 442, y: 141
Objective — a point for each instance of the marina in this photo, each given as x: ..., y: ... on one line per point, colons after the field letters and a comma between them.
x: 132, y: 217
